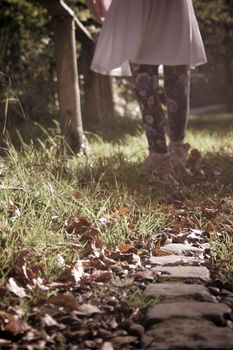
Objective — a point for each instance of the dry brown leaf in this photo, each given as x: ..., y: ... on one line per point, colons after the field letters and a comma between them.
x: 83, y: 220
x: 123, y: 211
x: 77, y: 224
x: 92, y: 235
x: 77, y: 194
x: 211, y: 227
x: 114, y: 255
x: 210, y: 212
x: 98, y: 264
x: 64, y: 300
x: 170, y: 208
x: 126, y: 247
x: 3, y: 291
x: 15, y: 325
x: 177, y: 227
x: 180, y: 238
x: 104, y: 277
x: 107, y: 261
x: 159, y: 252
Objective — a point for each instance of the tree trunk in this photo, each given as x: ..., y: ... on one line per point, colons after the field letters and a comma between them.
x: 97, y: 89
x: 67, y: 84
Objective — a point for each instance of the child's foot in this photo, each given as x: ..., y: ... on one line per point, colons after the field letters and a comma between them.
x: 157, y: 163
x: 179, y: 154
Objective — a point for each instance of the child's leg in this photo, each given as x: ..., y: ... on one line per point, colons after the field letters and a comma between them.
x: 146, y: 82
x: 177, y: 87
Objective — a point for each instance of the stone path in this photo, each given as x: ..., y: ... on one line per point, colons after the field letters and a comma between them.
x: 187, y: 315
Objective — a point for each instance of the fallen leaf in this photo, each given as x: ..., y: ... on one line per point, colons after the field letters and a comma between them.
x: 180, y: 238
x: 104, y: 277
x: 88, y: 310
x: 14, y: 211
x: 14, y: 288
x: 107, y: 346
x: 159, y: 252
x: 5, y: 342
x: 39, y: 283
x: 77, y: 224
x: 3, y: 291
x: 211, y: 227
x: 15, y: 325
x: 144, y: 275
x: 98, y: 264
x: 210, y: 212
x: 132, y: 258
x: 177, y: 227
x: 125, y: 248
x: 123, y: 340
x: 121, y: 211
x: 64, y: 300
x: 186, y: 222
x: 77, y: 271
x: 170, y: 208
x: 48, y: 321
x: 92, y: 235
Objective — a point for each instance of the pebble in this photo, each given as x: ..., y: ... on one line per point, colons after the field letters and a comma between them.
x: 192, y: 309
x: 179, y: 248
x: 189, y: 335
x: 175, y: 289
x: 199, y: 272
x: 173, y: 259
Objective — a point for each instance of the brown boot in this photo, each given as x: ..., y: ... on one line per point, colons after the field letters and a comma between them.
x: 157, y: 163
x: 179, y: 154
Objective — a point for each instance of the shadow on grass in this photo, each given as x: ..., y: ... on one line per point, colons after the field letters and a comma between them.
x: 114, y: 130
x: 117, y: 129
x: 212, y: 180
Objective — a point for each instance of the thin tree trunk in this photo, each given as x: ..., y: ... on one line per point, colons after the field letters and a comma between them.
x: 67, y: 84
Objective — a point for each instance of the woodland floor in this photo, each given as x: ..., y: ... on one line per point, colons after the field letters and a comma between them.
x: 94, y: 255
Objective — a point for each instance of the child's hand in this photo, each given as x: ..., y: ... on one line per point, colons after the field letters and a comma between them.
x: 99, y: 8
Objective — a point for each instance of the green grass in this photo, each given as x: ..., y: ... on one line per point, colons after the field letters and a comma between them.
x: 42, y: 188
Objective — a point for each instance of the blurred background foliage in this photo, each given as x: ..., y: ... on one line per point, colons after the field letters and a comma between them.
x: 27, y: 67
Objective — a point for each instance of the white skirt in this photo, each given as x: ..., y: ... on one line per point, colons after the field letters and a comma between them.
x: 150, y: 32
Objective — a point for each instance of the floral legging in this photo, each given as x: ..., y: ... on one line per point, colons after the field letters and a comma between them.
x: 177, y: 87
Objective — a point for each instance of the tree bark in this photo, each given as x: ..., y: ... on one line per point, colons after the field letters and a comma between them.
x: 64, y: 21
x: 228, y: 65
x: 67, y: 82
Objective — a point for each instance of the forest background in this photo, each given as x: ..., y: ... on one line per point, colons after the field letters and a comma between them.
x: 28, y: 70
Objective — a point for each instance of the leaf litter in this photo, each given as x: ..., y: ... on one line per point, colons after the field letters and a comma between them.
x: 93, y: 304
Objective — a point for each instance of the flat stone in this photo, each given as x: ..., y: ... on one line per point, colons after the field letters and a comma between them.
x: 192, y: 309
x: 200, y: 272
x: 188, y: 335
x: 173, y: 259
x: 174, y: 289
x: 179, y: 249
